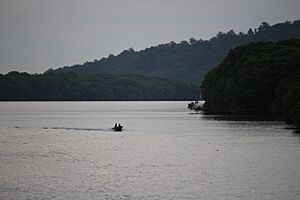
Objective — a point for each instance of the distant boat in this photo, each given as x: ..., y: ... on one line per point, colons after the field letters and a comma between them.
x: 118, y: 128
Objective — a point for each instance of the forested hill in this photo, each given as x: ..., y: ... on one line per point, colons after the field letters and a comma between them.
x: 188, y: 60
x: 16, y: 86
x: 259, y: 78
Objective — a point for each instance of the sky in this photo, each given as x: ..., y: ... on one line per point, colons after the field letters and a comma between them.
x: 36, y: 35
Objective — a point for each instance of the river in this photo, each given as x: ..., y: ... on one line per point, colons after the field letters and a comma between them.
x: 67, y: 150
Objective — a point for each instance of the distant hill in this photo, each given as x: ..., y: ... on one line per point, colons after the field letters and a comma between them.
x: 16, y: 86
x: 184, y: 61
x: 258, y: 78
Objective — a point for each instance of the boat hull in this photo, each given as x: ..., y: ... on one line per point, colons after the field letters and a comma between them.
x: 118, y: 128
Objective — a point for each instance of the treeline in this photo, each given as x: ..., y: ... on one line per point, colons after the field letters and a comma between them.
x: 16, y: 86
x: 258, y: 78
x: 187, y: 61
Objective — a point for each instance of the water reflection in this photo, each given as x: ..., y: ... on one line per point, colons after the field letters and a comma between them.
x: 255, y: 120
x: 277, y: 118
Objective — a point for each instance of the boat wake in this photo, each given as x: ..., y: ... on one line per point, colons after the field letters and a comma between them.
x: 77, y: 129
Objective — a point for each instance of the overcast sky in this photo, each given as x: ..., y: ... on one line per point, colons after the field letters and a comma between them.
x: 36, y: 35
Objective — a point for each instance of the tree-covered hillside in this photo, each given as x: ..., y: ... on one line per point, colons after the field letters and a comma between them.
x: 187, y: 61
x: 16, y: 86
x: 258, y: 78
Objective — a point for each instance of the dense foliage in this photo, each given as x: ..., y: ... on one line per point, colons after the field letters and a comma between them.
x: 185, y: 61
x: 258, y: 78
x: 22, y: 86
x: 196, y: 106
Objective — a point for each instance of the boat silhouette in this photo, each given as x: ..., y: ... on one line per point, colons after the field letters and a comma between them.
x: 117, y: 127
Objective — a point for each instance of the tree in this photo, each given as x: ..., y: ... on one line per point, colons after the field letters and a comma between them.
x: 195, y: 106
x: 193, y: 41
x: 250, y: 32
x: 264, y: 26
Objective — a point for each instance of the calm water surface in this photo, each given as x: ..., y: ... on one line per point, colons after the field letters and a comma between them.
x: 66, y: 150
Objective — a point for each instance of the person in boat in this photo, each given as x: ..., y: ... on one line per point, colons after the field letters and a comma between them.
x: 117, y: 127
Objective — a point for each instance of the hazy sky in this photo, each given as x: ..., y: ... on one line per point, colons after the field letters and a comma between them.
x: 38, y: 34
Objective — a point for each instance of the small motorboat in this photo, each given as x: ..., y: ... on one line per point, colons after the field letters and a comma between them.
x: 118, y: 128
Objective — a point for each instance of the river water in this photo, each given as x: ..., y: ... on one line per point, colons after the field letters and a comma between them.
x: 66, y: 150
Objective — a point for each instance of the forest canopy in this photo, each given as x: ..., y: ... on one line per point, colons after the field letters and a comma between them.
x: 16, y: 86
x: 258, y: 78
x: 187, y: 61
